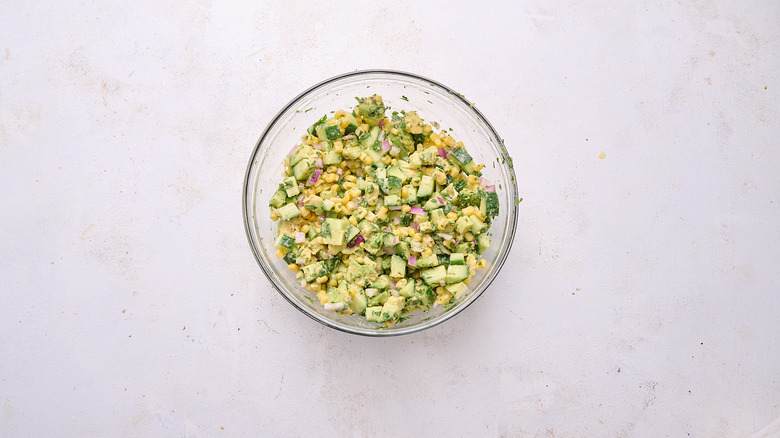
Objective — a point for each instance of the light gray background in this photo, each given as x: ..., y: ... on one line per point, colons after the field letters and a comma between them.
x: 640, y: 297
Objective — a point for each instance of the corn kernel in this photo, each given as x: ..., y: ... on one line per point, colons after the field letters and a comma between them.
x: 404, y: 192
x: 440, y: 177
x: 467, y: 281
x: 481, y: 264
x: 454, y: 172
x: 444, y: 298
x: 354, y: 193
x: 440, y: 291
x: 338, y: 208
x: 427, y: 128
x: 322, y: 279
x: 437, y: 142
x: 443, y: 223
x: 274, y: 216
x: 304, y: 211
x: 280, y: 253
x: 452, y: 216
x: 406, y: 208
x: 468, y: 211
x: 367, y: 160
x: 478, y: 167
x: 417, y: 237
x: 338, y: 146
x: 352, y: 220
x: 449, y: 141
x: 394, y: 131
x: 322, y: 296
x: 340, y: 113
x: 333, y: 282
x: 473, y: 179
x: 293, y: 267
x: 426, y: 252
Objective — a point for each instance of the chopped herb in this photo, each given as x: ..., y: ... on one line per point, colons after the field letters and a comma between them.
x: 404, y: 98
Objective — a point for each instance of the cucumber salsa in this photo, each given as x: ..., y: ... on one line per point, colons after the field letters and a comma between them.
x: 380, y: 215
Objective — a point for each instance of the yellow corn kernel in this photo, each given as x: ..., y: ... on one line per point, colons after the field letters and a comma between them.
x: 400, y: 284
x: 367, y: 160
x: 427, y: 128
x: 404, y: 192
x: 452, y: 216
x: 417, y: 237
x: 338, y: 146
x: 443, y: 223
x: 352, y: 220
x: 441, y: 291
x: 394, y: 131
x: 440, y: 177
x: 354, y: 193
x: 348, y: 185
x: 305, y: 228
x: 322, y: 296
x: 280, y: 253
x: 351, y: 178
x: 478, y: 167
x: 467, y: 281
x: 468, y: 211
x: 473, y: 179
x: 293, y: 267
x: 444, y: 298
x: 338, y: 208
x: 333, y: 282
x: 437, y: 142
x: 339, y: 114
x: 317, y: 188
x: 481, y: 264
x: 274, y: 216
x: 449, y: 141
x: 322, y: 279
x: 426, y: 252
x: 304, y: 211
x: 406, y: 208
x: 454, y: 171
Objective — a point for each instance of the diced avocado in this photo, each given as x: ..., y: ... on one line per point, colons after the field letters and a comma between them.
x: 352, y: 125
x: 437, y: 215
x: 491, y: 204
x: 379, y: 298
x: 463, y: 225
x: 414, y: 160
x: 372, y: 109
x: 392, y: 200
x: 456, y: 289
x: 483, y: 243
x: 428, y: 156
x: 302, y: 170
x: 285, y: 241
x: 386, y: 263
x: 374, y: 314
x: 290, y: 186
x: 368, y: 140
x: 331, y: 157
x: 288, y: 211
x: 352, y: 232
x: 301, y: 152
x: 374, y: 243
x: 434, y: 276
x: 408, y: 289
x: 402, y: 249
x: 383, y: 282
x: 357, y: 271
x: 449, y: 192
x: 463, y: 247
x: 313, y: 271
x: 444, y: 259
x: 333, y: 231
x: 456, y: 273
x: 396, y: 173
x: 424, y: 294
x: 376, y: 157
x: 435, y: 201
x: 477, y: 226
x: 426, y: 186
x: 457, y: 258
x: 392, y: 308
x: 277, y: 200
x: 313, y: 203
x: 358, y: 303
x: 397, y: 267
x: 428, y: 262
x: 338, y: 293
x: 328, y: 205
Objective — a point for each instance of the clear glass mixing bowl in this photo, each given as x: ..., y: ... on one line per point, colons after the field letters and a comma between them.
x: 433, y: 102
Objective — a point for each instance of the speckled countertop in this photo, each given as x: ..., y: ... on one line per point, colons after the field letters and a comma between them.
x: 641, y: 297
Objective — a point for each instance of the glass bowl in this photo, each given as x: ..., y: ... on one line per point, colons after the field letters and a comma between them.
x: 433, y: 102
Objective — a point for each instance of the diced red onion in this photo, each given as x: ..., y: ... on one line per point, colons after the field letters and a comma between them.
x: 381, y: 123
x: 443, y: 153
x: 416, y: 226
x: 315, y: 176
x: 417, y: 210
x: 357, y: 241
x: 441, y: 201
x: 318, y: 163
x: 395, y: 240
x: 292, y: 150
x: 445, y: 236
x: 395, y: 207
x: 483, y: 182
x: 385, y: 146
x: 388, y: 230
x: 300, y: 237
x: 317, y: 145
x: 490, y: 188
x: 412, y: 261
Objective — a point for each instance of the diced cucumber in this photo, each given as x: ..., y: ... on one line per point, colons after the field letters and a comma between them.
x: 397, y: 267
x: 402, y: 249
x: 313, y: 271
x: 302, y: 170
x: 428, y: 262
x: 352, y: 125
x: 352, y: 232
x: 333, y: 231
x: 456, y: 273
x: 301, y: 152
x: 456, y: 289
x: 457, y: 259
x: 463, y: 224
x: 411, y: 194
x: 288, y: 211
x: 358, y: 303
x: 426, y: 186
x: 391, y: 310
x: 331, y: 157
x: 277, y: 200
x: 434, y: 276
x: 483, y: 243
x: 392, y: 200
x: 374, y: 314
x: 408, y: 289
x: 383, y: 282
x: 462, y: 157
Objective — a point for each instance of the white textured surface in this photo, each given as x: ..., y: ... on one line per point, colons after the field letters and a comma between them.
x: 641, y: 297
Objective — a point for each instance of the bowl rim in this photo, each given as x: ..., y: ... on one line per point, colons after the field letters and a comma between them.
x: 498, y: 264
